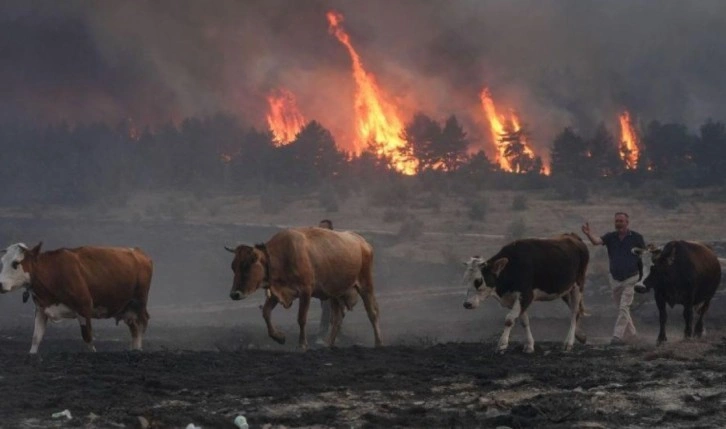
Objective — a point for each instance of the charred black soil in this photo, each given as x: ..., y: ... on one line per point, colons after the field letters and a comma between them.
x: 467, y: 385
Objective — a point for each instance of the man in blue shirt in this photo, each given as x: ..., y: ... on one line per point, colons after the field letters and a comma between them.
x: 624, y: 271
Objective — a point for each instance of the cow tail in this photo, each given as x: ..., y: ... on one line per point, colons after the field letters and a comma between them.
x: 584, y: 262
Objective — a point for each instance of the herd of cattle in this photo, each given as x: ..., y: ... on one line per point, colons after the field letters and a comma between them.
x: 303, y: 263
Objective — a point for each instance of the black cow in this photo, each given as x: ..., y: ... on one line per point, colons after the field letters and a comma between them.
x: 531, y: 270
x: 682, y: 272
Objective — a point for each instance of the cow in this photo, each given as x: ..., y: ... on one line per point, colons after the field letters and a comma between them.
x: 304, y: 263
x: 82, y: 283
x: 531, y: 270
x: 681, y: 272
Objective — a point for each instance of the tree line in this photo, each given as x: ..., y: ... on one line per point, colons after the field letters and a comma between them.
x: 85, y: 163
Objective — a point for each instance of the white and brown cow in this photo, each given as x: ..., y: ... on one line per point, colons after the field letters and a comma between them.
x: 300, y: 263
x: 531, y: 270
x: 682, y: 272
x: 82, y: 283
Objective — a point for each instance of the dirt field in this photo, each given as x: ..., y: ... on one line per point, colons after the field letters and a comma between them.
x: 207, y: 375
x: 207, y: 359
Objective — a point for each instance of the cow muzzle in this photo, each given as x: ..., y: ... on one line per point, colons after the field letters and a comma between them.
x: 236, y: 295
x: 471, y: 302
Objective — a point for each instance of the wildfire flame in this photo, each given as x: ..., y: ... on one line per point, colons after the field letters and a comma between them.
x: 132, y: 130
x: 497, y: 127
x: 284, y: 119
x: 376, y: 120
x: 629, y: 149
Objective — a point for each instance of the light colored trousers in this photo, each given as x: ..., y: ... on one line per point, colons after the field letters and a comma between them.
x: 623, y: 292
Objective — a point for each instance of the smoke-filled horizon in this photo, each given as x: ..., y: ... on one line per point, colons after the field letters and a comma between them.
x: 556, y: 63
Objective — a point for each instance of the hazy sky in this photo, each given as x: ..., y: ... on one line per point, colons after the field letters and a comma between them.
x: 558, y: 63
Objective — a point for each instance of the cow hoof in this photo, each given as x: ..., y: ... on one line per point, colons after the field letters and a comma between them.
x: 568, y: 348
x: 581, y: 338
x: 501, y: 351
x: 33, y: 359
x: 279, y: 338
x: 133, y: 355
x: 303, y: 347
x: 660, y: 342
x: 529, y: 349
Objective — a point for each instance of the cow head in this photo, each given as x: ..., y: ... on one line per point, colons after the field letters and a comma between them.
x: 480, y: 278
x: 250, y: 270
x: 655, y: 264
x: 17, y: 264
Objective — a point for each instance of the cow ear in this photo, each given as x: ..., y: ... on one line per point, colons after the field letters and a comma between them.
x: 498, y: 265
x: 35, y: 251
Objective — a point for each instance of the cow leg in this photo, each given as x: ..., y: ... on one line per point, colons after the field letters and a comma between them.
x: 267, y: 308
x: 574, y: 302
x: 524, y: 319
x: 508, y: 323
x: 41, y: 321
x: 336, y: 320
x: 700, y: 330
x: 688, y: 317
x: 580, y: 336
x: 87, y: 332
x: 83, y: 306
x: 324, y: 327
x: 663, y: 317
x: 371, y: 305
x: 302, y: 317
x: 136, y: 333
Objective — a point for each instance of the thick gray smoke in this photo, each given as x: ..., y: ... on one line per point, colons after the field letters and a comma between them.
x: 558, y: 63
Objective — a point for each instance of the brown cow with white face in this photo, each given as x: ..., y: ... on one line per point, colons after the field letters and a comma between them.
x: 304, y: 263
x: 82, y: 283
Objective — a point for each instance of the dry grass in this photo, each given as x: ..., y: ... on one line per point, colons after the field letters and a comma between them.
x: 449, y: 233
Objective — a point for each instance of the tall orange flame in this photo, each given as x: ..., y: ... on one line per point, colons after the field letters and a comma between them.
x: 376, y: 120
x: 497, y: 127
x: 284, y: 119
x: 629, y: 149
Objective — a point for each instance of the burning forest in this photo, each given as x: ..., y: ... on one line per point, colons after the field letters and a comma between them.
x: 325, y: 92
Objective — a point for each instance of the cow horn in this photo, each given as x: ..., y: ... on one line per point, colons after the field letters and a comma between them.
x: 229, y: 249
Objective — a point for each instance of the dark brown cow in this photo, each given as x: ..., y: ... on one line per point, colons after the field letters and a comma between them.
x: 531, y: 270
x: 682, y: 272
x: 82, y: 283
x: 304, y: 263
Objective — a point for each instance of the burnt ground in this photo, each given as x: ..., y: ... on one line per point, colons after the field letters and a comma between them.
x: 207, y: 359
x: 455, y: 384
